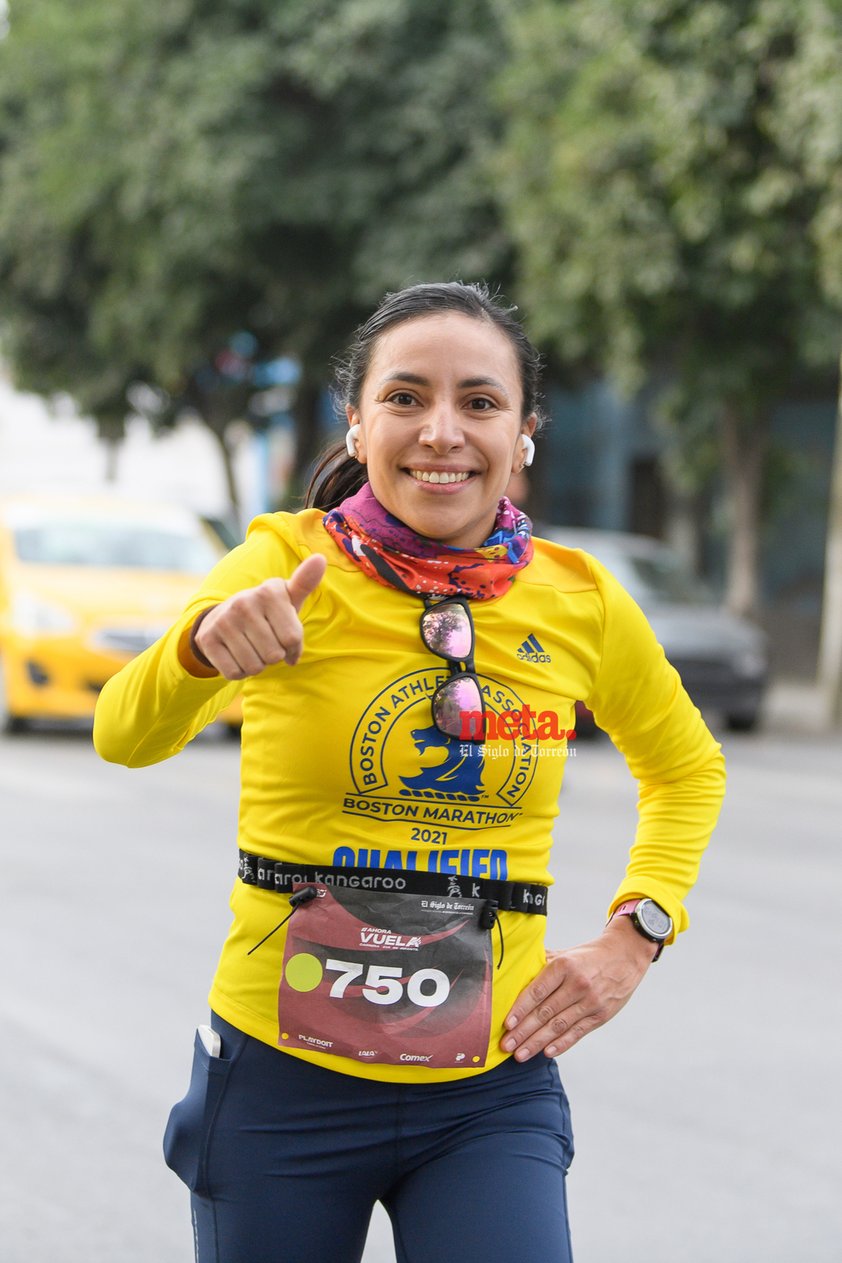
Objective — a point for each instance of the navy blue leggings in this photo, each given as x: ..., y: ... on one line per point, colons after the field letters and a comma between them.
x: 285, y: 1160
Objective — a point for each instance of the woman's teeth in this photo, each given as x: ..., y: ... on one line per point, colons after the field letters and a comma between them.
x: 424, y: 475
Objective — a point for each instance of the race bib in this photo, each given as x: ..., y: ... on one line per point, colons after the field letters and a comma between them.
x: 400, y: 979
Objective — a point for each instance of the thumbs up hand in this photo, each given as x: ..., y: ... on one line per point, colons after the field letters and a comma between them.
x: 258, y: 627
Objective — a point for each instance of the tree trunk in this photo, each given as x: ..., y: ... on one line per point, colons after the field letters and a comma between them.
x: 113, y: 446
x: 228, y: 467
x: 308, y: 435
x: 745, y: 446
x: 682, y: 525
x: 830, y: 645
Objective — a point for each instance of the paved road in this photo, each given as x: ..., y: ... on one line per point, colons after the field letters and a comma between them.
x: 707, y: 1114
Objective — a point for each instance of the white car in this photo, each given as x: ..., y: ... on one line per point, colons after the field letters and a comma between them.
x: 722, y: 660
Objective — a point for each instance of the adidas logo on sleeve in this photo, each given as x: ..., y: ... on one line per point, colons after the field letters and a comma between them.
x: 533, y: 651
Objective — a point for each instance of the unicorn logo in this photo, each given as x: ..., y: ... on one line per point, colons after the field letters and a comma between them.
x: 458, y: 776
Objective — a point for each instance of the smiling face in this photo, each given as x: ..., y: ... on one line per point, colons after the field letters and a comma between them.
x: 440, y: 415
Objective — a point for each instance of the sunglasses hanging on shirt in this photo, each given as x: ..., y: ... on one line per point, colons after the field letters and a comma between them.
x: 447, y: 630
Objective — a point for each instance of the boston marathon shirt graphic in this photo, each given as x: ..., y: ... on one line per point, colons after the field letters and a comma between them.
x: 403, y: 768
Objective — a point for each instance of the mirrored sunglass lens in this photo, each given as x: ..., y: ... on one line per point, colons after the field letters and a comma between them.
x: 457, y: 708
x: 446, y: 630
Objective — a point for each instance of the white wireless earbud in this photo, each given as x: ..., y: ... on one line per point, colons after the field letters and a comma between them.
x: 351, y: 439
x: 528, y: 449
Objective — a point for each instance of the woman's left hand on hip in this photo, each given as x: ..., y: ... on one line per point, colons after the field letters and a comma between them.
x: 578, y: 990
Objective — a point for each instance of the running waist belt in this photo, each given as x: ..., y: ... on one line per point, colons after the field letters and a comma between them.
x: 277, y: 875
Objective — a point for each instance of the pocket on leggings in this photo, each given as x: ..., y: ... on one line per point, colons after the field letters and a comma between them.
x: 190, y: 1123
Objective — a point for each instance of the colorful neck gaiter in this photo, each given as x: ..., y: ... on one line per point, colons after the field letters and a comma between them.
x: 390, y: 552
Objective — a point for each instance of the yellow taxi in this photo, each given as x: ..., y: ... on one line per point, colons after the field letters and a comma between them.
x: 85, y: 584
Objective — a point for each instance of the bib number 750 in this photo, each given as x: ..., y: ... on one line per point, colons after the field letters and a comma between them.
x: 384, y: 984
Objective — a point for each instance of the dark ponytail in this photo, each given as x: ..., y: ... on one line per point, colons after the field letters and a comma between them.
x: 336, y: 476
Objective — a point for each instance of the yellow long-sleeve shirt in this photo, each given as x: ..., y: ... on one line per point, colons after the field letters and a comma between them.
x: 341, y: 764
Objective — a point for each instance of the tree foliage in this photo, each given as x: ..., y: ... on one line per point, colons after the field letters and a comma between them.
x: 671, y: 178
x: 172, y: 174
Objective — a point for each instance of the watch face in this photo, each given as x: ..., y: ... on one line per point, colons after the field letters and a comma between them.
x: 653, y: 919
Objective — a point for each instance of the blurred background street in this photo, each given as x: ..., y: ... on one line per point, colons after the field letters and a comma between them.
x: 709, y: 1107
x: 198, y: 204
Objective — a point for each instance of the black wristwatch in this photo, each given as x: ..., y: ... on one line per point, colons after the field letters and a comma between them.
x: 649, y: 919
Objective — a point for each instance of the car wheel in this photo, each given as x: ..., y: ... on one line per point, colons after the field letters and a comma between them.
x: 10, y: 724
x: 743, y: 721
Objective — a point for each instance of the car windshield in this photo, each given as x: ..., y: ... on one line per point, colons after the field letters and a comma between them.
x: 659, y: 578
x: 106, y: 544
